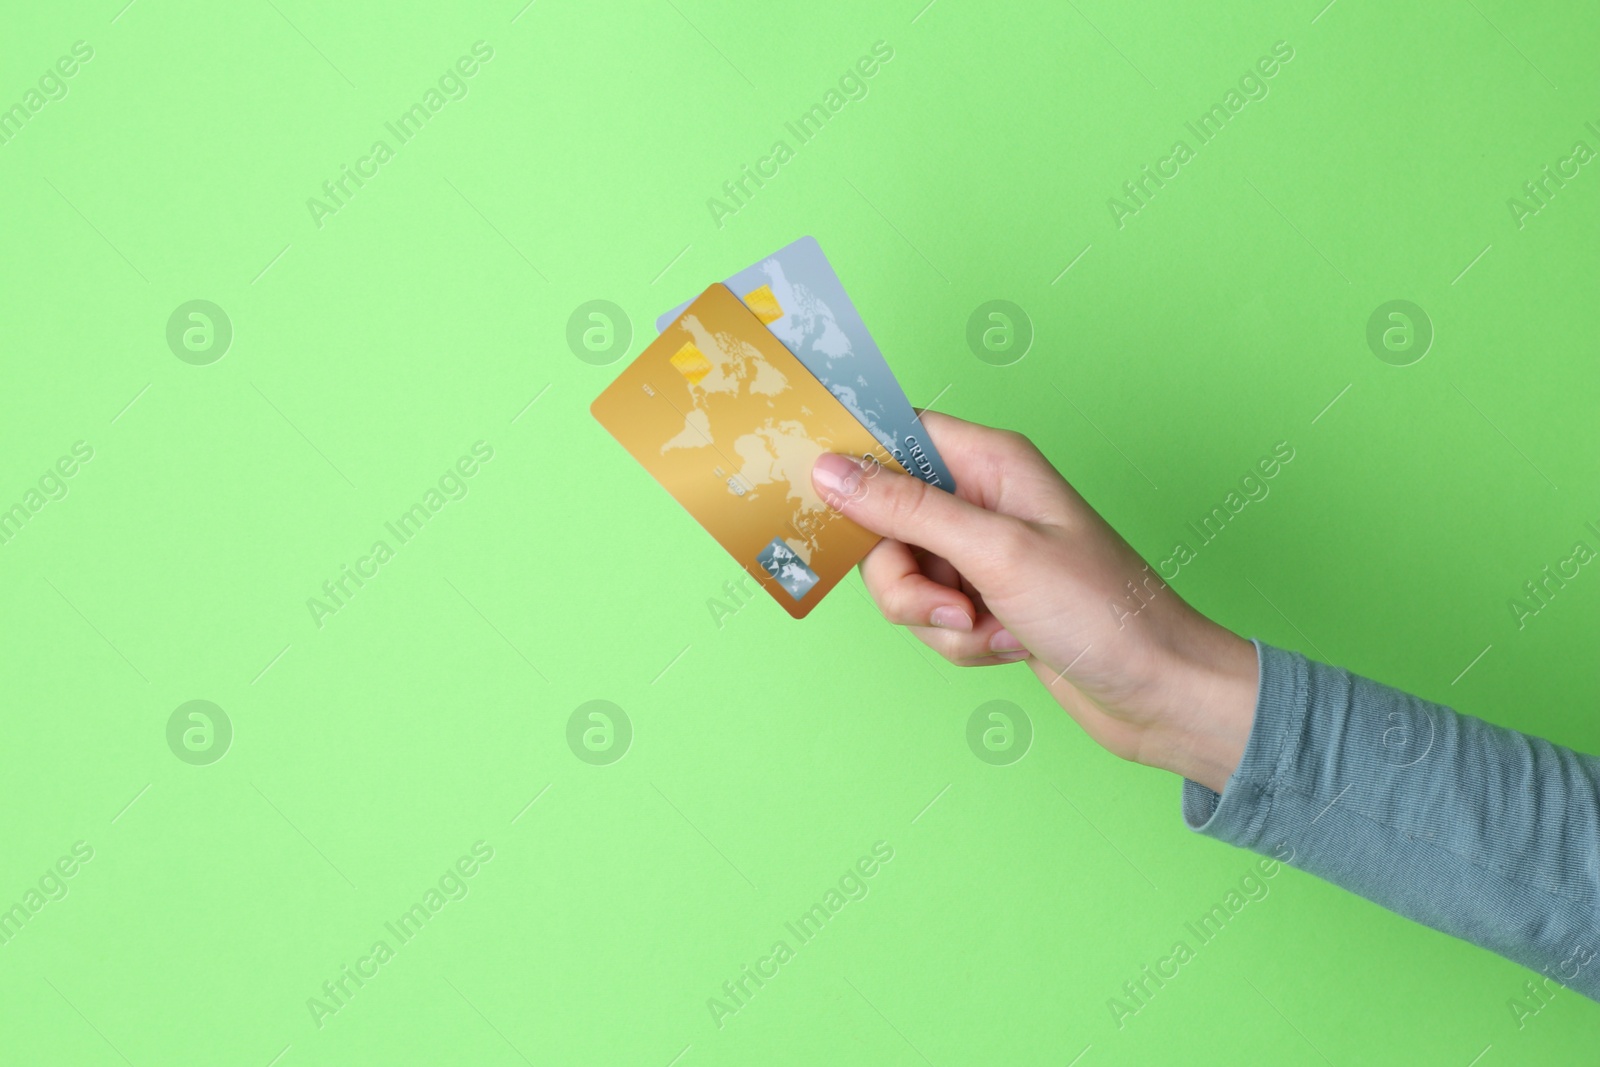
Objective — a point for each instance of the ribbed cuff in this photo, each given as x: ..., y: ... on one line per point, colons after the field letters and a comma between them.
x: 1239, y: 814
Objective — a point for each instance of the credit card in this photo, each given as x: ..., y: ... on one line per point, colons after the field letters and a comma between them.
x: 796, y: 292
x: 730, y: 422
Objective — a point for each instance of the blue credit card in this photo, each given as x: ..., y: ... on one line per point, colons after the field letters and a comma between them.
x: 787, y: 568
x: 797, y: 294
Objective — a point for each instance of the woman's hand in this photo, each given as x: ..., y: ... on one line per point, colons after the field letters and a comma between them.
x: 1017, y: 566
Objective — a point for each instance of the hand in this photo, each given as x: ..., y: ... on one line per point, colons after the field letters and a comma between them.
x: 1015, y: 565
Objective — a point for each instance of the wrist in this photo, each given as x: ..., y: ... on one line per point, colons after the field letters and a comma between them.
x: 1211, y: 696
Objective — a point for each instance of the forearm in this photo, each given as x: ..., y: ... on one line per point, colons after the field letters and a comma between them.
x: 1473, y: 829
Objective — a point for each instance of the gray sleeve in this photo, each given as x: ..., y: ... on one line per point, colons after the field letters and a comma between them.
x: 1482, y: 832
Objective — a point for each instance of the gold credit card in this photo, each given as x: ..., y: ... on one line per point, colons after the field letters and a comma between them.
x: 730, y: 422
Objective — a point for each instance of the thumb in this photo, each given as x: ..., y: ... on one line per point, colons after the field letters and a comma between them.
x: 908, y: 509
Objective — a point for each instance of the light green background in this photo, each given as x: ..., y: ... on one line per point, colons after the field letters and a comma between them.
x: 768, y: 755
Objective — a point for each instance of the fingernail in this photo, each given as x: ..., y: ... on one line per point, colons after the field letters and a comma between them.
x: 951, y: 618
x: 1013, y: 655
x: 836, y: 475
x: 1002, y: 641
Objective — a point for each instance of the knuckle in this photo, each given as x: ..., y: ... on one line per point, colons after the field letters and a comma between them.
x: 906, y: 505
x: 893, y: 604
x: 1019, y: 444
